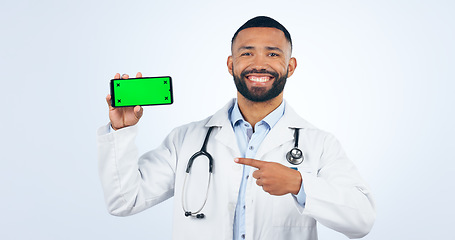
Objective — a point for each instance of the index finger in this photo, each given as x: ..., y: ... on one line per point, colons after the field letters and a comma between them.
x: 250, y: 162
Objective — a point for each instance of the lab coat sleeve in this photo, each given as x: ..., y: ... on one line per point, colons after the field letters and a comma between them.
x: 336, y: 196
x: 132, y: 184
x: 301, y: 196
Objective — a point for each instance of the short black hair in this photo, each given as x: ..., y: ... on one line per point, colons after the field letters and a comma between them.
x: 263, y: 21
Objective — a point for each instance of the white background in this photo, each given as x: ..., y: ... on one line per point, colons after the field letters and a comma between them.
x: 379, y: 75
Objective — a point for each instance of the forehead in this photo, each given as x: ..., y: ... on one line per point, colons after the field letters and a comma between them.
x: 261, y: 36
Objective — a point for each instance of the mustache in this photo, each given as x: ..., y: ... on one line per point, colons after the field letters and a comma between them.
x: 246, y: 72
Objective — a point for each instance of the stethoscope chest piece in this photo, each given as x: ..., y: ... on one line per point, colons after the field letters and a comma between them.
x: 295, y: 156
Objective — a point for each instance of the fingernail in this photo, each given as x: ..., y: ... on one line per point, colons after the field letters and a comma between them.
x: 236, y: 160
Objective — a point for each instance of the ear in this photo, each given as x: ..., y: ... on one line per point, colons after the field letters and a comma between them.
x: 291, y: 66
x: 229, y: 65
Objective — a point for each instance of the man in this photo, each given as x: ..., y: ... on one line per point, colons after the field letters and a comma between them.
x: 254, y: 191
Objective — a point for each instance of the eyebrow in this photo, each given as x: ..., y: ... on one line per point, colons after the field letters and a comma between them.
x: 275, y: 49
x: 246, y: 48
x: 268, y: 48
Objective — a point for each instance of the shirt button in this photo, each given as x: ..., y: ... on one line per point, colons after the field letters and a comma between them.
x: 251, y: 147
x: 243, y: 206
x: 247, y: 176
x: 246, y: 125
x: 243, y: 236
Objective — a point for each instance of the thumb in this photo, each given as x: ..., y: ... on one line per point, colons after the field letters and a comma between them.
x: 108, y: 100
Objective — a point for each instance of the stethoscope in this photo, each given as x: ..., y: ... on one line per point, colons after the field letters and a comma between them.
x: 295, y: 157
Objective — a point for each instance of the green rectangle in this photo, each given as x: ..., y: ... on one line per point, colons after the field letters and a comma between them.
x: 141, y: 91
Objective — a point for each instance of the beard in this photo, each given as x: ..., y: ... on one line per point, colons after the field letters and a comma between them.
x: 260, y: 94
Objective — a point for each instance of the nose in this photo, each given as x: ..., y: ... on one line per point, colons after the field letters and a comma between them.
x: 259, y: 63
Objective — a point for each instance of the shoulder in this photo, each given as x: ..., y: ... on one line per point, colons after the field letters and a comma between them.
x: 218, y: 119
x: 294, y: 120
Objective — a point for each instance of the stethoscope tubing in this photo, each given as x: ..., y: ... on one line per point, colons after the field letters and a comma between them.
x: 202, y: 152
x: 184, y: 194
x: 295, y: 157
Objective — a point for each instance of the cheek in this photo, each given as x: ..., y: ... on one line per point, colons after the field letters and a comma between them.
x: 283, y: 63
x: 237, y: 67
x: 281, y: 67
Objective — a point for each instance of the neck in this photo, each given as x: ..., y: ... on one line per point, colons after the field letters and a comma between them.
x: 254, y: 112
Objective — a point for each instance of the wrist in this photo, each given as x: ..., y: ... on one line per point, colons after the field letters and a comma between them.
x: 297, y: 183
x: 114, y: 128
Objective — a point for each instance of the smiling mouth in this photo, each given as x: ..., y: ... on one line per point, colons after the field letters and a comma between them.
x: 259, y: 79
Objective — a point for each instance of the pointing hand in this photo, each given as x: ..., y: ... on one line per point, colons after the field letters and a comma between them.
x: 273, y: 177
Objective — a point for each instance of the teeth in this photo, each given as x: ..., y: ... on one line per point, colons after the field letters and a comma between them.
x: 259, y: 79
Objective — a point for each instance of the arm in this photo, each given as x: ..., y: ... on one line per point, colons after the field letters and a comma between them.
x: 337, y: 197
x: 132, y: 184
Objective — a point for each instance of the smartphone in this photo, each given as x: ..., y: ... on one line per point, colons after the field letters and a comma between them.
x: 141, y: 91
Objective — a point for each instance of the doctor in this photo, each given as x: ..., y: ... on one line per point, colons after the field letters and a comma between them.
x: 253, y: 192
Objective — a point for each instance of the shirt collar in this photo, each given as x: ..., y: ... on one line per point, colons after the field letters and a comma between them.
x: 271, y: 119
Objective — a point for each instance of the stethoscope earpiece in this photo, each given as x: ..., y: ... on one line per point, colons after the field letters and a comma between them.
x: 199, y: 215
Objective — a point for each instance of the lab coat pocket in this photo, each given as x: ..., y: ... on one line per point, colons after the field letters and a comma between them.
x: 285, y: 214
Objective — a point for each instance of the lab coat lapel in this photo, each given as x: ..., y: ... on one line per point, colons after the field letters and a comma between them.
x: 277, y: 136
x: 283, y: 131
x: 225, y: 135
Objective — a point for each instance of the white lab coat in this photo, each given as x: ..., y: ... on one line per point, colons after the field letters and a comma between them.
x: 336, y: 195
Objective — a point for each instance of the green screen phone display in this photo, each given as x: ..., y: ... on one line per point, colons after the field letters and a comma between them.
x: 141, y: 91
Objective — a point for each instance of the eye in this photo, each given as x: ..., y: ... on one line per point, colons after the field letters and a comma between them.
x: 245, y: 54
x: 273, y: 55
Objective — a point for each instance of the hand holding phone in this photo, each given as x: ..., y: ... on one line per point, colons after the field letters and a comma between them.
x: 124, y: 116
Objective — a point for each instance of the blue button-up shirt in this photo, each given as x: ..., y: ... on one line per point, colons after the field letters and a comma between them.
x: 249, y: 142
